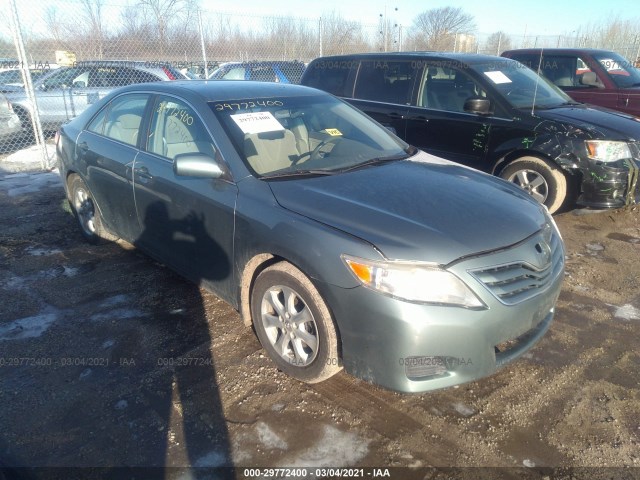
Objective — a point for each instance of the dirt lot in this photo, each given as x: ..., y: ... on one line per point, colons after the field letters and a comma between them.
x: 109, y: 359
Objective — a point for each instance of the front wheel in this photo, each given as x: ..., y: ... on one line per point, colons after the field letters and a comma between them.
x: 542, y: 180
x: 86, y: 212
x: 294, y: 324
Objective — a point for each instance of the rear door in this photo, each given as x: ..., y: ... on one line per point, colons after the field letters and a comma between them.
x: 108, y: 147
x: 384, y: 90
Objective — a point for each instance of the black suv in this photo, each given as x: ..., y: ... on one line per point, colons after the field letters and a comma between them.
x: 496, y: 115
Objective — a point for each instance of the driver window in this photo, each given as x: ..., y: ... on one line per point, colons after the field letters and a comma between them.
x: 446, y: 88
x: 176, y: 129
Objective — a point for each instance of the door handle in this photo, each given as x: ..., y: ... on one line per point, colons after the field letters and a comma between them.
x: 420, y: 118
x: 395, y: 116
x: 143, y: 174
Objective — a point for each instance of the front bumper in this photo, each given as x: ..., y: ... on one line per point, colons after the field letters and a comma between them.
x: 610, y: 185
x: 411, y: 347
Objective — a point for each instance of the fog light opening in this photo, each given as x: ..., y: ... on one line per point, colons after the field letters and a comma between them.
x: 427, y: 368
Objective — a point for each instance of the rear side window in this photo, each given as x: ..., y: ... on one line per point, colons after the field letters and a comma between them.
x: 384, y: 81
x: 123, y: 120
x: 333, y: 76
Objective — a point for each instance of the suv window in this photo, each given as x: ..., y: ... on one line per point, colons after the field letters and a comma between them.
x: 384, y: 81
x: 176, y: 129
x: 445, y: 88
x: 333, y: 76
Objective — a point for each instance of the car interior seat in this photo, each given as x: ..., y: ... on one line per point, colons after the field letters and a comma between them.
x: 270, y: 151
x: 124, y: 128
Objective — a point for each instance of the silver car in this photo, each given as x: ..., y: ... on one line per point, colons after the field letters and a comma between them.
x: 66, y: 92
x: 342, y: 245
x: 9, y: 121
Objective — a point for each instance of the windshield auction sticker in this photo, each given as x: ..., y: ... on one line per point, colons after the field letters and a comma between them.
x: 257, y: 122
x: 497, y: 77
x: 334, y: 132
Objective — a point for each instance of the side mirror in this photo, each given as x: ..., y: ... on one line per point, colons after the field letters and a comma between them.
x: 197, y: 165
x: 478, y: 105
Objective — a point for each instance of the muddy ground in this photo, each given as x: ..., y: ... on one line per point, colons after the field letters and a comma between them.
x: 110, y: 359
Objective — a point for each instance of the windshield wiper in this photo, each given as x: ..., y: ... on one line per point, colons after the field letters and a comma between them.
x: 300, y: 173
x: 375, y: 161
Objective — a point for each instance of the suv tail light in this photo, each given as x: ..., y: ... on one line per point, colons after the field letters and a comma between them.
x: 169, y: 73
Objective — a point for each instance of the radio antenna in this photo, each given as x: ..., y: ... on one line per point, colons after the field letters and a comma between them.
x: 535, y: 91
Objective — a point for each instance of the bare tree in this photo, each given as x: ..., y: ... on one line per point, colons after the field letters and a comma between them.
x: 92, y: 13
x: 497, y: 43
x: 166, y: 13
x: 437, y: 29
x: 340, y: 35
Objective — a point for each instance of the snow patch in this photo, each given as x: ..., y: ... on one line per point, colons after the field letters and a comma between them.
x: 28, y: 159
x: 40, y: 252
x: 28, y: 327
x: 528, y: 463
x: 115, y: 300
x: 119, y: 314
x: 211, y: 459
x: 334, y: 449
x: 269, y: 438
x: 32, y: 183
x: 627, y: 312
x: 462, y: 409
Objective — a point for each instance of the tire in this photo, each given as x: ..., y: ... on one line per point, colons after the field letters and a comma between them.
x: 281, y: 297
x: 86, y: 212
x: 542, y: 180
x: 27, y: 136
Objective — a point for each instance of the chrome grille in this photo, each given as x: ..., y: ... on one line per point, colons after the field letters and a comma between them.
x: 515, y: 282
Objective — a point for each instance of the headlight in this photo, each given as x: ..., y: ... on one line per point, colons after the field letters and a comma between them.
x: 414, y: 282
x: 607, y: 151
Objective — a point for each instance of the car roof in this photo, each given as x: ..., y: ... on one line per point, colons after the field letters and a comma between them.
x: 557, y: 50
x: 469, y: 58
x: 222, y: 90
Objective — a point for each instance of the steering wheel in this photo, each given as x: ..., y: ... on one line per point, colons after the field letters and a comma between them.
x: 315, y: 155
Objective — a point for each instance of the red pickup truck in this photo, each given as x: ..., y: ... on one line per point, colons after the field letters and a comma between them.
x: 599, y: 77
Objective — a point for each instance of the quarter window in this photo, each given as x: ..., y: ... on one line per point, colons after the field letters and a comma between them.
x: 176, y: 129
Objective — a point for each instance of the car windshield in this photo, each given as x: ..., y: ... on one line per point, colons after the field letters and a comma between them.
x: 621, y: 71
x: 305, y: 135
x: 521, y: 86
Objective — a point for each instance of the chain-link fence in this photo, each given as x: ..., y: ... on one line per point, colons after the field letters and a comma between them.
x: 58, y: 58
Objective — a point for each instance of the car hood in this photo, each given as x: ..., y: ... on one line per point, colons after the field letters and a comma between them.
x: 599, y: 122
x: 422, y: 209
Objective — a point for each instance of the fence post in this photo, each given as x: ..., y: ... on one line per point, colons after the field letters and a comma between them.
x: 204, y: 50
x: 28, y: 84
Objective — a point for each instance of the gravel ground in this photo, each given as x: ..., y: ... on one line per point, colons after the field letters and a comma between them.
x: 110, y: 359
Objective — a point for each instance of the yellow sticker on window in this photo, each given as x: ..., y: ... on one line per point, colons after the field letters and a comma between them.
x: 334, y: 132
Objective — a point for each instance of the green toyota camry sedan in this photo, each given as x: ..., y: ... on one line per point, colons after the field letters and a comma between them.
x: 339, y: 243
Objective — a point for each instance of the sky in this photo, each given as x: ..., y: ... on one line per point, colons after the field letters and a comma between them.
x: 542, y: 17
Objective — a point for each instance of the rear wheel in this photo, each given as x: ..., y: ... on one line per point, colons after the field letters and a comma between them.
x: 542, y: 180
x: 86, y: 212
x: 294, y: 325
